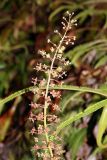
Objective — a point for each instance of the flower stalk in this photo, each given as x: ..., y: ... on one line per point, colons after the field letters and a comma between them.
x: 49, y: 147
x: 47, y: 89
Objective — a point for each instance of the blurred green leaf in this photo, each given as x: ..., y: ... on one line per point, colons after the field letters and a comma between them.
x: 83, y: 49
x: 82, y: 114
x: 102, y: 127
x: 68, y: 97
x: 101, y: 61
x: 5, y: 119
x: 76, y: 140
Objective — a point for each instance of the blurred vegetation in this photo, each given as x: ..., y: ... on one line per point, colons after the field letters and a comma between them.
x: 25, y: 25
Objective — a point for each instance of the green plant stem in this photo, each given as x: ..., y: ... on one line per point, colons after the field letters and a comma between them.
x: 102, y: 92
x: 63, y: 87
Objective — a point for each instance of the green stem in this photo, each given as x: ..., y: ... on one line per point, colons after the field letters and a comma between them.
x: 102, y: 92
x: 63, y: 87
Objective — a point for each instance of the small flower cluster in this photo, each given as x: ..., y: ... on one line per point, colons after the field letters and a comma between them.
x: 44, y: 111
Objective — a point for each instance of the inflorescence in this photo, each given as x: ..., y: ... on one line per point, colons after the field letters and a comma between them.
x: 44, y: 111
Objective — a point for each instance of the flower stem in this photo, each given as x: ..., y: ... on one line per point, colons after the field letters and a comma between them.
x: 47, y: 90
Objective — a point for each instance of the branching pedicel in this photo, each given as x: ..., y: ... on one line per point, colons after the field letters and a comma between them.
x: 47, y: 145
